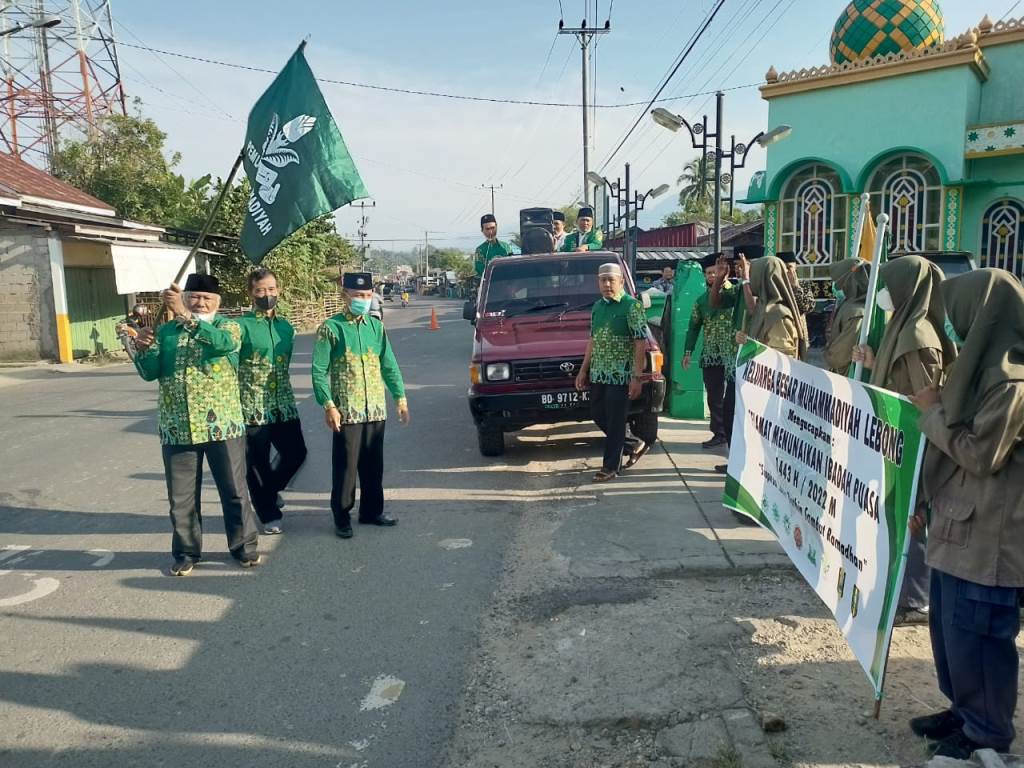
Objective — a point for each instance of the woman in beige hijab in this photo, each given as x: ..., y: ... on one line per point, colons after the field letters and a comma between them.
x: 914, y: 352
x: 774, y: 317
x: 973, y: 483
x: 850, y: 283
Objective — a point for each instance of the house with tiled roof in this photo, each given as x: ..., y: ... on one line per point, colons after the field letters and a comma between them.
x: 70, y: 267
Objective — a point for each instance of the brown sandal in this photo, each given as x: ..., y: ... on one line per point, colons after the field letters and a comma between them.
x: 604, y: 476
x: 636, y: 455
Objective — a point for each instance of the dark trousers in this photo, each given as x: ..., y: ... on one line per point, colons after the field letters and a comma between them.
x: 917, y: 577
x: 183, y: 467
x: 609, y: 407
x: 973, y: 628
x: 268, y: 478
x: 357, y: 453
x: 721, y: 394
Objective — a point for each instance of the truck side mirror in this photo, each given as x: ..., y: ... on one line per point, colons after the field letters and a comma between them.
x: 469, y: 311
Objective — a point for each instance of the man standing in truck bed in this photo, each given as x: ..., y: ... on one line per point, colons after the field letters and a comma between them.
x: 586, y: 237
x: 491, y: 247
x: 612, y: 366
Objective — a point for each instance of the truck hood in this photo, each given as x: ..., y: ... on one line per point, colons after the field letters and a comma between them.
x: 522, y: 338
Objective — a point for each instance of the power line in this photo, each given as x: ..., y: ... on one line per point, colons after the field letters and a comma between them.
x: 1012, y: 9
x: 413, y: 92
x: 651, y: 103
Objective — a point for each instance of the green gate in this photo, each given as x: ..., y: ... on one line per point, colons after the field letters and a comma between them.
x: 94, y: 309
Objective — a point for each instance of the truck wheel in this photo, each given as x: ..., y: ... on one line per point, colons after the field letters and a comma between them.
x: 491, y: 440
x: 645, y: 426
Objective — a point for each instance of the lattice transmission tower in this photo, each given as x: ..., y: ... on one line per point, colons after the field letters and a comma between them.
x: 60, y: 74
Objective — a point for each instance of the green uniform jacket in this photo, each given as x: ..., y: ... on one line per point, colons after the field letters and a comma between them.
x: 593, y: 240
x: 717, y: 325
x: 265, y: 386
x: 353, y: 364
x: 614, y: 326
x: 487, y: 251
x: 196, y: 364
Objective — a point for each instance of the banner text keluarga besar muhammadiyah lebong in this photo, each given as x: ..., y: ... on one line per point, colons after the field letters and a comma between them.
x: 830, y: 466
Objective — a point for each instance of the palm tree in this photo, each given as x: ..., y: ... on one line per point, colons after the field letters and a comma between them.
x: 698, y: 184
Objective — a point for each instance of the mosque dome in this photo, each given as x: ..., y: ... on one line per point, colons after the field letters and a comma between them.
x: 869, y: 28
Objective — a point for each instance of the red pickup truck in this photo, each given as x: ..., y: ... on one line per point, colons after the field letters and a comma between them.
x: 532, y: 328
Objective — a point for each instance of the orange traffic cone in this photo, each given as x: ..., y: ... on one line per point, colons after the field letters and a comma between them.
x: 433, y: 320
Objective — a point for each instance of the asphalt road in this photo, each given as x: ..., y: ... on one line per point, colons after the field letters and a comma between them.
x: 332, y: 653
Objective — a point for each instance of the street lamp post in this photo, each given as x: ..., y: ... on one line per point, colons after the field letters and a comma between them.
x: 736, y: 154
x: 630, y: 200
x: 44, y: 23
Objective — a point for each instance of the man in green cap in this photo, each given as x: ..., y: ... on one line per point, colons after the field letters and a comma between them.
x: 353, y: 365
x: 268, y: 401
x: 491, y: 247
x: 195, y: 358
x: 586, y: 237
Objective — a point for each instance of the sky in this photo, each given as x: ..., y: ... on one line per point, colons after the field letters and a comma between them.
x: 425, y: 159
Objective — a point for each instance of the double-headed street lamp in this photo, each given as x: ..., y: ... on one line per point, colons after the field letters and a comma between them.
x: 44, y: 23
x: 632, y: 203
x: 713, y: 152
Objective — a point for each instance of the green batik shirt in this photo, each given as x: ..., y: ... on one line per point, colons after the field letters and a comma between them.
x: 196, y: 364
x: 353, y: 364
x: 265, y: 387
x: 593, y: 240
x: 487, y: 252
x: 614, y: 326
x: 719, y: 334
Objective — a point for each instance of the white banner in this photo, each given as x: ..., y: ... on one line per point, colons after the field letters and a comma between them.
x: 139, y: 268
x: 830, y: 466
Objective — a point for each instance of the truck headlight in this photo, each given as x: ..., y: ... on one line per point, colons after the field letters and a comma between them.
x: 499, y: 372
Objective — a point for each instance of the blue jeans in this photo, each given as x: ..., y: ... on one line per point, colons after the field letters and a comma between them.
x: 973, y: 628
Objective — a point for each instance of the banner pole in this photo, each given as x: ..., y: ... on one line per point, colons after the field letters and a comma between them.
x: 208, y: 225
x: 869, y: 303
x: 878, y: 708
x: 858, y: 230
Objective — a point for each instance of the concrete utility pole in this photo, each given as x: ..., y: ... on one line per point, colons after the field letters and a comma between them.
x: 492, y: 188
x: 584, y: 35
x: 363, y: 221
x: 426, y: 254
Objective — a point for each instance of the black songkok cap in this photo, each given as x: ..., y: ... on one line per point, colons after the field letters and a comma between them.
x: 710, y: 260
x: 202, y: 283
x: 358, y: 281
x: 488, y: 218
x: 787, y: 256
x: 557, y: 216
x: 585, y: 213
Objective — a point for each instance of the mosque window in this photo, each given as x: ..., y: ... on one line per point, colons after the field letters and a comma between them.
x: 813, y: 219
x: 1002, y: 236
x: 908, y: 188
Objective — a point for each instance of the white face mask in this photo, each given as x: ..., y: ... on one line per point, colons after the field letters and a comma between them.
x: 205, y: 317
x: 884, y: 300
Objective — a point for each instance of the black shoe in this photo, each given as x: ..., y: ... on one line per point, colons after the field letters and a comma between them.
x: 249, y: 559
x: 384, y: 521
x: 343, y: 531
x: 721, y: 468
x: 907, y: 616
x: 182, y: 566
x: 714, y: 442
x: 938, y: 726
x: 959, y: 746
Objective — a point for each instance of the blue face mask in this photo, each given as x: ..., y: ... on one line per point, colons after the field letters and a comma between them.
x: 951, y: 332
x: 838, y: 292
x: 359, y: 306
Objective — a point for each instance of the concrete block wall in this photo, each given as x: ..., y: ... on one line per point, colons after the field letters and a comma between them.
x: 27, y: 330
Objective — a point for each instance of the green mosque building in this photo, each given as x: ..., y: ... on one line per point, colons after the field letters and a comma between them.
x: 931, y: 127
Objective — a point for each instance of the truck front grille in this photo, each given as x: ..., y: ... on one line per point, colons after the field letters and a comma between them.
x: 546, y: 370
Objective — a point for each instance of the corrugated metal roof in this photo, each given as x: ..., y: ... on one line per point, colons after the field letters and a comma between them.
x: 25, y: 180
x: 672, y: 254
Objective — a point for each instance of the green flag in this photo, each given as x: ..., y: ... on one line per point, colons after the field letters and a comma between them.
x: 296, y: 160
x: 877, y: 328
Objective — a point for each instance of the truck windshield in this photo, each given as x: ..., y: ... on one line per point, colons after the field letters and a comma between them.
x: 516, y: 287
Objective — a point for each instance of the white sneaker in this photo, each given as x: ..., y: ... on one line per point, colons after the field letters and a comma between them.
x: 273, y: 529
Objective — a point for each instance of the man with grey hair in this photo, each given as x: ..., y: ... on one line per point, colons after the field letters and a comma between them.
x: 612, y: 366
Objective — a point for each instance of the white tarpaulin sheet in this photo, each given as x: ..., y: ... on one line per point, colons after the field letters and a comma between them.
x: 139, y: 268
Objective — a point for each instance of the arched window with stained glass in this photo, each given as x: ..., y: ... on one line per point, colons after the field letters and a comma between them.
x: 813, y: 219
x: 909, y: 189
x: 1002, y: 236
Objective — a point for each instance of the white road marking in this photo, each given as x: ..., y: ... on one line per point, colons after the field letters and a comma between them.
x: 42, y: 588
x: 104, y: 556
x: 360, y: 744
x: 383, y: 693
x: 455, y: 543
x: 12, y: 549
